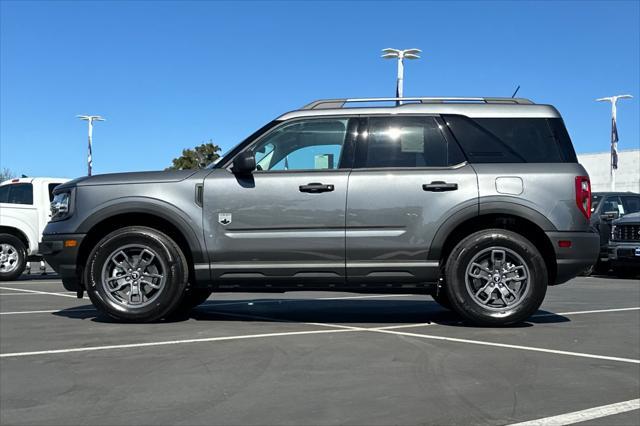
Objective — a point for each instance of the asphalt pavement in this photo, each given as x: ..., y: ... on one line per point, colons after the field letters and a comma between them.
x: 323, y: 358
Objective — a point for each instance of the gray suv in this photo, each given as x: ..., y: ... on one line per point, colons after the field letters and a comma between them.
x: 479, y: 202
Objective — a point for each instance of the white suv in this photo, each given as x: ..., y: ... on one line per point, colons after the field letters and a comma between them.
x: 24, y: 212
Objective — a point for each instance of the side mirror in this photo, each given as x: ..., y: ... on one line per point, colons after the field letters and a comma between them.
x: 610, y: 215
x: 244, y: 163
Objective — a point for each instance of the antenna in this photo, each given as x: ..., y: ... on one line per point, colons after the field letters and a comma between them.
x: 514, y: 93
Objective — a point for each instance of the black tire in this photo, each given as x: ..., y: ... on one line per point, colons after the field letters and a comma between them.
x: 191, y: 298
x: 15, y: 262
x: 168, y: 260
x: 442, y: 298
x: 496, y: 241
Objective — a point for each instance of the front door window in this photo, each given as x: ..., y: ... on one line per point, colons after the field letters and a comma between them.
x: 304, y: 145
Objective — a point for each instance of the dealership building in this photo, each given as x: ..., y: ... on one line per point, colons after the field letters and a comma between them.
x: 627, y: 174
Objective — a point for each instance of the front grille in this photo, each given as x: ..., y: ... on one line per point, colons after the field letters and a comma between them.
x: 627, y: 233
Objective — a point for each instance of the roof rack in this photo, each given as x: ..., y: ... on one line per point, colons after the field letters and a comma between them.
x: 339, y: 103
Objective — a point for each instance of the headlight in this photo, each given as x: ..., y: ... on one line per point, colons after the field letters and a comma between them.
x: 60, y: 206
x: 613, y: 232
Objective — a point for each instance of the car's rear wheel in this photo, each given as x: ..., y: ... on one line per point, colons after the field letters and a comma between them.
x: 136, y: 274
x: 13, y: 257
x: 496, y: 277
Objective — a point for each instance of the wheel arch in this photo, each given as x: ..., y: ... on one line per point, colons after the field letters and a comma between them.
x: 531, y: 226
x: 16, y: 232
x: 152, y: 215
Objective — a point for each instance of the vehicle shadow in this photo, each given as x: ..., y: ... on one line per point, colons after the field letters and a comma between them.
x: 360, y: 312
x: 38, y: 277
x: 625, y: 276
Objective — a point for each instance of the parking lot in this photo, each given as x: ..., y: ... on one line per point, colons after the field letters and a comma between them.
x: 320, y: 358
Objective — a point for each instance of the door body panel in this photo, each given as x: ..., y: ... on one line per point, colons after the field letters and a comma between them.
x: 274, y: 232
x: 391, y: 220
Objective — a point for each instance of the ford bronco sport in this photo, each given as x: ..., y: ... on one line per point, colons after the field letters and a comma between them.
x: 479, y: 202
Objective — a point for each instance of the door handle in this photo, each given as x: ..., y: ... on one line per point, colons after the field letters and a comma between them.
x: 439, y: 186
x: 315, y: 188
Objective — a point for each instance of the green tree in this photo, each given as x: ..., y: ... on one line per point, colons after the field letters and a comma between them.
x: 197, y: 158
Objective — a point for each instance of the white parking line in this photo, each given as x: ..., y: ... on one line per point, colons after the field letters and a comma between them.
x: 584, y: 415
x: 171, y: 342
x: 505, y: 345
x: 598, y: 311
x: 389, y: 330
x: 394, y: 327
x: 336, y: 328
x: 41, y: 292
x: 32, y: 294
x: 50, y: 311
x: 51, y: 281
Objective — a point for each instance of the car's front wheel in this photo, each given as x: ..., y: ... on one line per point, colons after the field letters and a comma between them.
x: 136, y: 274
x: 495, y: 277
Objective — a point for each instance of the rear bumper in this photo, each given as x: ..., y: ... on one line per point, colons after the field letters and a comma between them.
x: 63, y: 258
x: 571, y: 261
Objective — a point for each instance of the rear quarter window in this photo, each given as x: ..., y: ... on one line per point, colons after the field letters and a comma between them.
x: 512, y: 140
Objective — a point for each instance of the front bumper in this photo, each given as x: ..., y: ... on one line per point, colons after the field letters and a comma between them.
x: 625, y: 252
x: 571, y: 261
x: 63, y: 258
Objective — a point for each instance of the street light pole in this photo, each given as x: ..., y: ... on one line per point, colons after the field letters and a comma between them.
x: 613, y: 164
x: 90, y: 119
x: 401, y: 55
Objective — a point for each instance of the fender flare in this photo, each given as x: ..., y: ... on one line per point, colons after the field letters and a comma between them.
x: 486, y: 208
x: 153, y: 207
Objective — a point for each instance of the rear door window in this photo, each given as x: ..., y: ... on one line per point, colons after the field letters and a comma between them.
x: 409, y: 141
x: 512, y: 140
x: 17, y: 193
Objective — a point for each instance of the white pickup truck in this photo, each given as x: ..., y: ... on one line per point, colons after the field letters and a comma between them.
x: 24, y: 212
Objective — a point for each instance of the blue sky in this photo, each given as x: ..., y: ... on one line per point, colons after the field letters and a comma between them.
x: 170, y: 75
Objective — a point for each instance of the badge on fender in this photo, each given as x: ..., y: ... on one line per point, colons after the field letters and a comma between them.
x: 224, y: 218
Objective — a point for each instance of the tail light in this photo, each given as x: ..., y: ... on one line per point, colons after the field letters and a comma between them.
x: 583, y: 195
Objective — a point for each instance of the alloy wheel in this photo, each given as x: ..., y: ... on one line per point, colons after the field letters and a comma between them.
x: 497, y: 278
x: 8, y: 258
x: 133, y: 276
